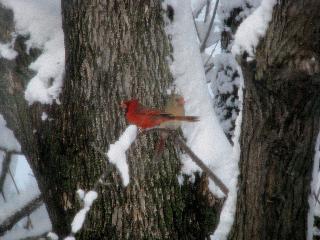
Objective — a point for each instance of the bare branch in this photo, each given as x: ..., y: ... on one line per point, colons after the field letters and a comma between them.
x: 14, y: 181
x: 316, y: 198
x: 196, y: 27
x: 194, y: 158
x: 201, y: 164
x: 199, y: 8
x: 109, y: 167
x: 14, y: 152
x: 207, y: 11
x: 211, y: 54
x: 180, y: 142
x: 6, y: 167
x: 209, y: 67
x: 21, y: 213
x: 204, y: 42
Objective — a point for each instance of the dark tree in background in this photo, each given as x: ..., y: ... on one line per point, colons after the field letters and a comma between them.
x: 280, y: 125
x: 115, y: 50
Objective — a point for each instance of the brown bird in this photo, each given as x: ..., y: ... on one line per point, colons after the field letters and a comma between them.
x: 174, y: 106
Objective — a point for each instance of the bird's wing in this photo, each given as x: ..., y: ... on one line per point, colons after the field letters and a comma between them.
x: 152, y: 112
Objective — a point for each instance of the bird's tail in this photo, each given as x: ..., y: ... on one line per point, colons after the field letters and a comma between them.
x: 187, y: 118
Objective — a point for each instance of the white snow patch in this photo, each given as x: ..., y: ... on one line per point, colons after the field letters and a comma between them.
x: 316, y: 231
x: 180, y: 179
x: 229, y: 208
x: 7, y: 52
x: 79, y: 218
x: 52, y: 236
x: 46, y: 85
x: 89, y: 198
x: 81, y: 194
x: 315, y: 179
x: 23, y: 174
x: 117, y: 152
x: 253, y: 28
x: 206, y: 137
x: 7, y: 138
x: 44, y: 116
x: 224, y: 81
x: 41, y: 20
x: 70, y: 238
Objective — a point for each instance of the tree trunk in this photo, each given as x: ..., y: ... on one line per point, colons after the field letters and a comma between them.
x: 115, y: 50
x: 280, y: 125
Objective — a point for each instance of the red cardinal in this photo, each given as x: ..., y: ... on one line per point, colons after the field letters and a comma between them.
x: 149, y: 118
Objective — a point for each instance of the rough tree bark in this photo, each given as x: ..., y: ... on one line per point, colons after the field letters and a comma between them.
x: 280, y: 125
x: 114, y: 50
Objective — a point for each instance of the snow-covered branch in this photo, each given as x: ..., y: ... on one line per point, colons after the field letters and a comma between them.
x: 203, y: 166
x: 87, y: 199
x: 117, y: 152
x: 41, y: 22
x: 207, y: 139
x: 253, y: 28
x: 19, y: 214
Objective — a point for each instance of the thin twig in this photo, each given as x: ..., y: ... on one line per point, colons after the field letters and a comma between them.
x: 14, y: 181
x: 204, y: 42
x: 201, y: 164
x: 199, y: 9
x: 316, y: 196
x: 196, y: 27
x: 194, y: 158
x: 209, y: 68
x: 211, y: 53
x: 21, y: 213
x: 6, y: 167
x: 3, y: 196
x: 207, y: 11
x: 109, y: 167
x: 13, y: 152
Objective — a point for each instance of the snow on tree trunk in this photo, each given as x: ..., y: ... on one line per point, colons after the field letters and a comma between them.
x: 115, y: 50
x: 280, y: 125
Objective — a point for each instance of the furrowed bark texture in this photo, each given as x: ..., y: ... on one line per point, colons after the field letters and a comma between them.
x: 115, y: 50
x: 280, y: 125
